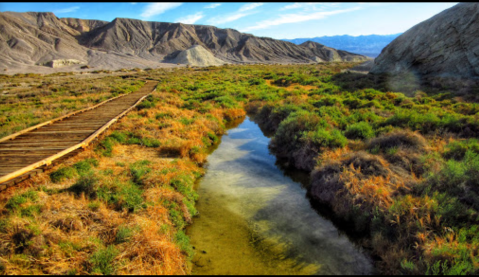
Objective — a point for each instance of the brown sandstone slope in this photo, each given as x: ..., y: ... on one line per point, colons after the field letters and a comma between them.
x: 158, y: 39
x: 329, y: 54
x: 83, y: 25
x: 446, y: 45
x: 35, y: 38
x: 30, y: 40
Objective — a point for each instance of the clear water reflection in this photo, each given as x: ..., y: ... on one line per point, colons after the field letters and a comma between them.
x: 255, y: 220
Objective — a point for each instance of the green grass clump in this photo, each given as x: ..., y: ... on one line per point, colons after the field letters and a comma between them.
x: 63, y: 173
x: 150, y: 142
x: 139, y: 170
x: 123, y: 234
x: 183, y: 183
x: 86, y: 184
x: 183, y: 242
x: 119, y: 136
x: 163, y: 115
x: 329, y: 139
x: 128, y: 196
x: 186, y: 121
x: 94, y: 206
x: 85, y: 166
x: 289, y: 131
x: 145, y: 104
x: 105, y: 147
x: 176, y: 218
x: 31, y: 210
x: 102, y: 260
x: 16, y: 201
x: 457, y: 149
x: 361, y: 130
x: 459, y: 178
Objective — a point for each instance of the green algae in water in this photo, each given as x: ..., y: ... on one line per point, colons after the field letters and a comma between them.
x: 255, y: 220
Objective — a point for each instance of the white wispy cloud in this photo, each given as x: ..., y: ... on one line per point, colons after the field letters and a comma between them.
x: 158, y: 8
x: 243, y: 11
x: 249, y: 6
x: 294, y: 18
x: 212, y: 6
x: 66, y: 10
x: 309, y: 6
x: 297, y: 6
x: 228, y: 18
x: 190, y: 19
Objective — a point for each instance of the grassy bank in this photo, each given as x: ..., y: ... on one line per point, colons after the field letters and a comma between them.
x: 396, y: 159
x: 119, y: 208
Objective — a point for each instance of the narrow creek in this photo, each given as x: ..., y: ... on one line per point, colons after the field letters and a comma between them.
x: 254, y: 219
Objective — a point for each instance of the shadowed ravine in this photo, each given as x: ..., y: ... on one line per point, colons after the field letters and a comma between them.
x: 255, y: 220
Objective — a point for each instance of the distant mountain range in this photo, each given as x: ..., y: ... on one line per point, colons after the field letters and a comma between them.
x: 40, y: 39
x: 370, y: 45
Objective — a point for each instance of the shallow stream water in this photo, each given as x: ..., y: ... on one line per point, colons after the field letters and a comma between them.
x: 254, y: 219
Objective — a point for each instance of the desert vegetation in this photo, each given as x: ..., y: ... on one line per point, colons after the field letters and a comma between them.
x: 119, y: 207
x: 30, y: 99
x: 395, y: 159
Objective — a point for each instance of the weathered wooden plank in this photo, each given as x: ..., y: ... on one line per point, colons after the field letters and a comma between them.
x: 64, y: 136
x: 65, y: 132
x: 41, y: 142
x: 34, y: 143
x: 71, y: 129
x: 11, y: 168
x: 56, y: 119
x: 73, y: 125
x: 21, y: 160
x: 33, y: 148
x: 22, y: 154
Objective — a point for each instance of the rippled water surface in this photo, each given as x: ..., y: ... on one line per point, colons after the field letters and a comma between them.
x: 255, y: 220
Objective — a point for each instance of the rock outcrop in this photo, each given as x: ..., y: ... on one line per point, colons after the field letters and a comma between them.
x: 197, y: 55
x: 446, y: 45
x: 62, y: 62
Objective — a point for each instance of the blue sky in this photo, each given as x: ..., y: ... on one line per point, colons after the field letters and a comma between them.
x: 276, y: 20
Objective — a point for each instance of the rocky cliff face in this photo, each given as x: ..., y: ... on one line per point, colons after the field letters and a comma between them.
x: 36, y: 38
x: 148, y: 39
x: 446, y: 45
x: 83, y: 25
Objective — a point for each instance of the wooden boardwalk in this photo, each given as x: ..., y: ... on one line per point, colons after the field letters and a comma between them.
x: 25, y: 153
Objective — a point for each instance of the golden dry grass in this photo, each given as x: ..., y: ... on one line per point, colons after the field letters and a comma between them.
x: 68, y: 231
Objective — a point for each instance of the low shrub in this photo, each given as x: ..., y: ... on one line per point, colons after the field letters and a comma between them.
x: 360, y: 130
x: 457, y: 149
x: 400, y: 138
x: 325, y: 138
